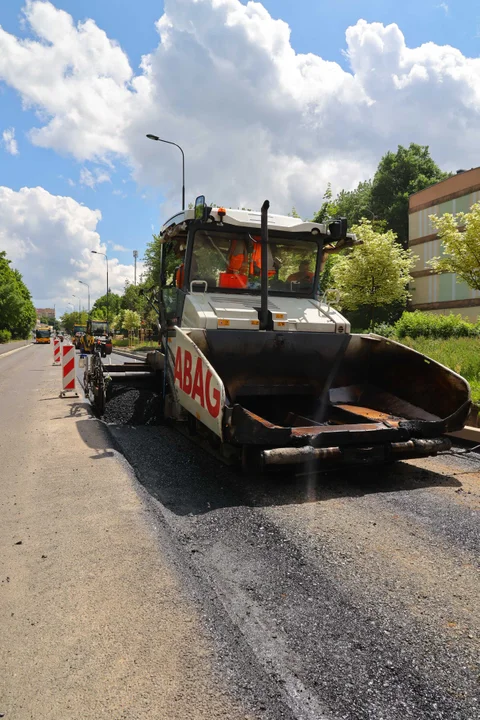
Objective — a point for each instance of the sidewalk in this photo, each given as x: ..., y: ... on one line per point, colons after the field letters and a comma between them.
x: 95, y: 622
x: 6, y: 347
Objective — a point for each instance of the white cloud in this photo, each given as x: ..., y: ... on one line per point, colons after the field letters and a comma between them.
x: 256, y: 119
x: 71, y: 182
x: 49, y: 238
x: 119, y: 248
x: 91, y: 179
x: 9, y: 141
x: 443, y: 6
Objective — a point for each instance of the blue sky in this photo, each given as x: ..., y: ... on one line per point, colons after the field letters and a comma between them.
x: 131, y: 207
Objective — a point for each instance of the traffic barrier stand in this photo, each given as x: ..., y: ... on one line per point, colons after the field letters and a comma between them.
x: 68, y: 372
x: 56, y: 352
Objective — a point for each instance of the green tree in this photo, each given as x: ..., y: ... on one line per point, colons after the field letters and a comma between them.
x: 357, y: 204
x: 99, y: 309
x: 151, y: 261
x: 461, y: 248
x: 117, y: 323
x: 326, y: 281
x: 375, y: 273
x: 69, y: 320
x: 17, y: 313
x: 132, y: 298
x: 399, y: 174
x: 131, y: 322
x: 327, y: 210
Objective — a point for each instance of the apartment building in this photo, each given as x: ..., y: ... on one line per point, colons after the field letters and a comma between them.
x: 441, y: 293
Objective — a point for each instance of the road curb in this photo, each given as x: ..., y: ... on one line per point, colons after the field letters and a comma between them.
x: 10, y: 352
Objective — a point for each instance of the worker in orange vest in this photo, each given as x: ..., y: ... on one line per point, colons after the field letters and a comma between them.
x: 256, y: 261
x: 238, y: 257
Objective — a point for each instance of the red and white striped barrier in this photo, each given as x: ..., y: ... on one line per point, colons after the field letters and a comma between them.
x: 56, y: 352
x: 68, y: 372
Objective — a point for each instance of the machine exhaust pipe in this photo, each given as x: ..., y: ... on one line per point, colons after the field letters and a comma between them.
x: 264, y: 269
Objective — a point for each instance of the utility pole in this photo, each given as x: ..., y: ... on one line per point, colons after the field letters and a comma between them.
x: 135, y: 256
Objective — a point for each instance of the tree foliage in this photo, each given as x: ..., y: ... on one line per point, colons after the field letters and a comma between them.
x: 399, y: 174
x: 117, y: 322
x: 131, y: 321
x: 17, y: 313
x: 100, y: 306
x: 375, y: 273
x: 132, y: 299
x: 151, y: 261
x: 326, y: 211
x: 69, y: 320
x: 461, y: 248
x: 384, y: 200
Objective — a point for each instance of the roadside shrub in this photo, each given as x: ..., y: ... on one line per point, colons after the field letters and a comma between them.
x: 422, y: 324
x: 384, y: 329
x: 124, y: 342
x: 5, y: 336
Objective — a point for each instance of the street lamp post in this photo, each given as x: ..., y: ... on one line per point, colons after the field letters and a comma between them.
x: 95, y: 252
x: 169, y: 142
x: 88, y: 288
x: 79, y: 316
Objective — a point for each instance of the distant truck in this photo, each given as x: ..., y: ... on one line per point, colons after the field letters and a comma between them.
x: 43, y: 334
x: 97, y: 336
x: 77, y: 334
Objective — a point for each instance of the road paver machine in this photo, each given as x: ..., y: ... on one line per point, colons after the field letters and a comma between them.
x: 252, y: 358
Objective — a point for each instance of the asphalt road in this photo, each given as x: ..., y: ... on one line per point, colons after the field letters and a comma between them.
x: 348, y: 595
x: 353, y: 594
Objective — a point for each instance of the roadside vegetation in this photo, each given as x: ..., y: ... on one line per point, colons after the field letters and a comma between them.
x: 459, y: 354
x: 17, y: 312
x: 448, y: 339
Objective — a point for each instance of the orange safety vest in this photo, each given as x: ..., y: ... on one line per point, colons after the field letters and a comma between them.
x: 256, y: 261
x: 238, y: 257
x: 180, y: 275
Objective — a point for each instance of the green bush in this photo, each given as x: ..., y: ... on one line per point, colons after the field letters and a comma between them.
x: 5, y: 336
x: 384, y: 329
x: 422, y: 324
x: 387, y: 315
x: 121, y: 343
